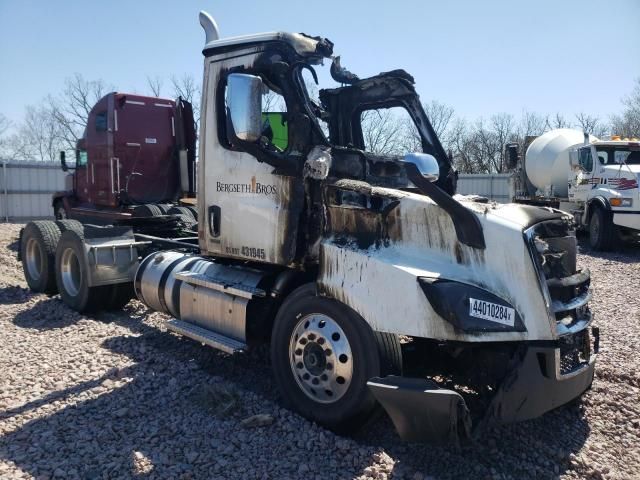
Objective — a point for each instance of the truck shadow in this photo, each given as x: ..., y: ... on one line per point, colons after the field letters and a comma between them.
x: 539, y: 448
x: 47, y: 314
x: 626, y: 253
x: 14, y: 294
x: 153, y: 424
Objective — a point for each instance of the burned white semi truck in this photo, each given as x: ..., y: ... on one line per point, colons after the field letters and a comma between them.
x: 374, y: 285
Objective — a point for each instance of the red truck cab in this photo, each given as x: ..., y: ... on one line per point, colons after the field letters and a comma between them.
x: 130, y: 155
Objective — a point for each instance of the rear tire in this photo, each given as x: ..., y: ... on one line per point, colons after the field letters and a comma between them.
x: 73, y: 225
x: 72, y: 276
x: 601, y: 230
x: 163, y: 207
x: 323, y: 353
x: 148, y: 210
x: 181, y: 211
x: 37, y: 250
x: 193, y: 210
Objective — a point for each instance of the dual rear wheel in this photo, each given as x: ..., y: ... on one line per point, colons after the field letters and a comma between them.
x: 54, y: 261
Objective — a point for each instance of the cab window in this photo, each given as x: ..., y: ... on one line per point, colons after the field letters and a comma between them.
x: 101, y: 121
x: 275, y: 132
x: 389, y: 131
x: 586, y: 161
x: 81, y: 158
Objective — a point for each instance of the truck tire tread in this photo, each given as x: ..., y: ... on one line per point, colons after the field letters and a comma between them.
x: 47, y: 234
x: 88, y: 299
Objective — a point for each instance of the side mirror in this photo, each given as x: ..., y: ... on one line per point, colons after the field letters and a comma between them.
x: 426, y: 164
x: 244, y: 106
x: 63, y: 161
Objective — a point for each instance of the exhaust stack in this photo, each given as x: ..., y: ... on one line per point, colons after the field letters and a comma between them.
x: 210, y: 27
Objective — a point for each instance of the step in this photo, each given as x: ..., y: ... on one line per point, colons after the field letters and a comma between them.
x: 205, y: 336
x: 220, y: 285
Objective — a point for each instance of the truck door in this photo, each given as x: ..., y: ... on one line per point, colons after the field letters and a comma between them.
x: 585, y: 180
x: 252, y: 209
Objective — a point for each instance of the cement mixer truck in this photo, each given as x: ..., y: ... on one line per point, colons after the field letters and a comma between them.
x: 374, y: 287
x: 596, y: 181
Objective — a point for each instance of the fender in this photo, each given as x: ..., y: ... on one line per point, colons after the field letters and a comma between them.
x: 61, y: 195
x: 599, y: 201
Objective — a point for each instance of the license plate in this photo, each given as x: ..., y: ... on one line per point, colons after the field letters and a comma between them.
x: 492, y: 312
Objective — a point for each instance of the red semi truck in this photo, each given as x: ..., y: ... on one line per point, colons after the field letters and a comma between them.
x: 135, y: 161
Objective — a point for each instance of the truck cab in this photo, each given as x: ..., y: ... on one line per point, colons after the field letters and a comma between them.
x: 129, y: 155
x: 373, y: 284
x: 604, y: 178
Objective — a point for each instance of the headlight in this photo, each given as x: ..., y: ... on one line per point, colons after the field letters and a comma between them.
x: 621, y: 202
x: 470, y: 308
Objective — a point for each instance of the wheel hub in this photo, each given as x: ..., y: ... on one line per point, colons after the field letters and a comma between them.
x: 34, y: 258
x: 314, y: 358
x: 71, y: 272
x: 320, y: 357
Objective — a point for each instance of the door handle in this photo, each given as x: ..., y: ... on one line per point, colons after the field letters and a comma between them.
x: 214, y: 220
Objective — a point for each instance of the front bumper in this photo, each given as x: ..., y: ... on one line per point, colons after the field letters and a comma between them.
x: 538, y: 380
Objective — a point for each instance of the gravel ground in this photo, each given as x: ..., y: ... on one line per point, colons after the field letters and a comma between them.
x: 114, y: 396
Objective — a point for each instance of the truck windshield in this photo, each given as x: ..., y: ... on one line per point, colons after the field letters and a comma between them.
x: 619, y: 155
x: 398, y: 128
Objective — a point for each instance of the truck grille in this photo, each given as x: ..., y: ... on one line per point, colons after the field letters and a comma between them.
x: 575, y: 351
x: 554, y: 247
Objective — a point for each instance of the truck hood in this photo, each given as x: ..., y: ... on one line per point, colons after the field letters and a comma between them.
x: 523, y: 216
x: 382, y: 243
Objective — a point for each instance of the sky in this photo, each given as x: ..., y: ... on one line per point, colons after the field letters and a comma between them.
x: 479, y: 57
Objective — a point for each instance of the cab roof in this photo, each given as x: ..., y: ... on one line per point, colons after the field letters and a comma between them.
x: 304, y: 45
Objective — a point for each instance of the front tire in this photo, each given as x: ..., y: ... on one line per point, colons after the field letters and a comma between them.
x: 323, y: 353
x: 601, y: 230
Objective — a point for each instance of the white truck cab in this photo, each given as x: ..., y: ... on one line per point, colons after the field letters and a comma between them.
x: 608, y: 172
x: 372, y: 283
x: 594, y: 180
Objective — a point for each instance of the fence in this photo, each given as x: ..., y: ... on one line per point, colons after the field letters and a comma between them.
x: 26, y: 189
x: 494, y: 186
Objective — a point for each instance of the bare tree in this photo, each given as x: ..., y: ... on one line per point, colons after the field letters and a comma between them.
x: 590, y: 124
x: 627, y: 124
x: 558, y: 121
x: 155, y: 85
x: 187, y: 88
x: 38, y: 137
x: 439, y: 116
x: 72, y: 107
x: 5, y: 125
x: 382, y: 131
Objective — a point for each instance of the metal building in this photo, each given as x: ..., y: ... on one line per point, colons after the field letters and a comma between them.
x: 498, y: 187
x: 26, y: 188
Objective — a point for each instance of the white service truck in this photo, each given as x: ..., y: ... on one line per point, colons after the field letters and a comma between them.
x: 373, y: 285
x: 594, y: 180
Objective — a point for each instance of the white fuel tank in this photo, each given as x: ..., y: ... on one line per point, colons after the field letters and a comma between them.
x: 547, y: 159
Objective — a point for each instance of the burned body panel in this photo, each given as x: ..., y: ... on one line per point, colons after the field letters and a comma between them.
x: 371, y: 253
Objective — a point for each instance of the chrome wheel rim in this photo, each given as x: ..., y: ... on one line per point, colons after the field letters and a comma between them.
x: 71, y: 272
x: 34, y: 259
x: 320, y: 358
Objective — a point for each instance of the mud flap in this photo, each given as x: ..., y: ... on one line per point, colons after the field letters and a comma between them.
x: 421, y: 411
